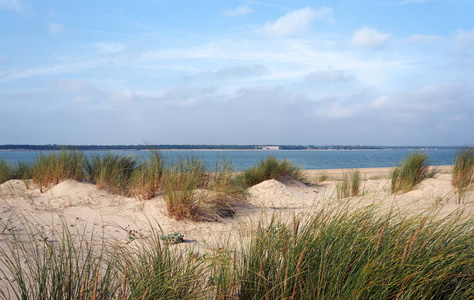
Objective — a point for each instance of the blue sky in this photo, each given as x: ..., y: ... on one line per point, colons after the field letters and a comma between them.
x: 387, y: 72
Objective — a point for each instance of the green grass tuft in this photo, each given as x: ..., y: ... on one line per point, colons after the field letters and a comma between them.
x: 6, y: 171
x: 54, y: 167
x: 463, y: 170
x: 410, y: 172
x: 145, y: 180
x: 270, y: 168
x: 111, y: 172
x: 349, y: 186
x: 360, y: 255
x: 59, y: 265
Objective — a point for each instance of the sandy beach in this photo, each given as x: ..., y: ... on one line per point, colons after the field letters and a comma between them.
x: 85, y: 209
x: 82, y: 205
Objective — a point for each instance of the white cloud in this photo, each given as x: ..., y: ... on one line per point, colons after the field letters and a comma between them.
x: 463, y: 40
x: 110, y: 48
x: 47, y: 71
x: 423, y: 38
x: 238, y: 71
x: 10, y: 5
x: 297, y: 22
x: 328, y: 76
x: 240, y: 10
x: 70, y: 85
x: 3, y: 57
x: 369, y: 38
x: 122, y: 96
x: 54, y: 28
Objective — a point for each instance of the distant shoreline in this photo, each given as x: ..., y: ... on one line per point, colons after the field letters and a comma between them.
x: 256, y: 150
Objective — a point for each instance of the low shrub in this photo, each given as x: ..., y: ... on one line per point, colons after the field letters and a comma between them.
x: 270, y: 168
x: 410, y: 172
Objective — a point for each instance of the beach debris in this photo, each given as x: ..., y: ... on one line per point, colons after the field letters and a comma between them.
x: 172, y: 238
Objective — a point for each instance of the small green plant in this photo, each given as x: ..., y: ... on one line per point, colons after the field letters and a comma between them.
x: 270, y: 168
x: 463, y: 170
x: 410, y: 172
x: 172, y: 238
x: 6, y: 171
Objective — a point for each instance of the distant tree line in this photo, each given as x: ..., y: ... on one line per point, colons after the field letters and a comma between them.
x: 211, y: 147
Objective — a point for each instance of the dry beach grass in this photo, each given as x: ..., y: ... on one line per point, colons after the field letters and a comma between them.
x: 284, y: 238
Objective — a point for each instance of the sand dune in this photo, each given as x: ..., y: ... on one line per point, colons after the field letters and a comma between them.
x: 82, y: 205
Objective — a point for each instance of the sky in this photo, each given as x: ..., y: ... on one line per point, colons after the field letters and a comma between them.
x: 386, y: 72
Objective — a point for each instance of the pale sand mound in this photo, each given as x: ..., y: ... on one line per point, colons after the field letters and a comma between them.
x: 13, y: 188
x: 285, y: 192
x: 82, y: 206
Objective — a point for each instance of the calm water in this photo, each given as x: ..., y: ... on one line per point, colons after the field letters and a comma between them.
x: 306, y: 159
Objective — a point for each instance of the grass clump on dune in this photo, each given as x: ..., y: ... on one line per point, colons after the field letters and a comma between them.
x: 6, y: 171
x: 192, y: 191
x: 349, y: 186
x: 23, y: 171
x: 463, y: 170
x: 146, y: 178
x: 59, y: 265
x: 360, y: 255
x: 338, y: 253
x: 270, y: 168
x: 111, y: 172
x: 410, y: 172
x: 180, y: 182
x: 54, y: 167
x: 158, y: 271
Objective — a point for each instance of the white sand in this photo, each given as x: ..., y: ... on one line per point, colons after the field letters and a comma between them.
x: 81, y: 206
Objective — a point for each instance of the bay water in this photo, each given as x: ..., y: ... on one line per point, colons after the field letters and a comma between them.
x: 306, y: 159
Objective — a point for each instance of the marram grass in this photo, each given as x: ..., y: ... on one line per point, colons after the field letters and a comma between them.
x: 463, y: 170
x: 54, y: 167
x: 349, y: 186
x: 146, y: 179
x: 270, y: 168
x: 337, y: 253
x: 6, y: 171
x: 410, y: 172
x: 111, y: 171
x: 360, y: 255
x: 192, y: 191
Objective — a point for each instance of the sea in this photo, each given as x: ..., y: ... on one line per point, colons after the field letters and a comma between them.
x: 306, y: 159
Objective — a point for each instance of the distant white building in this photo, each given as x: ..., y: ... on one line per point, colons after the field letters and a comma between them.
x: 269, y: 147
